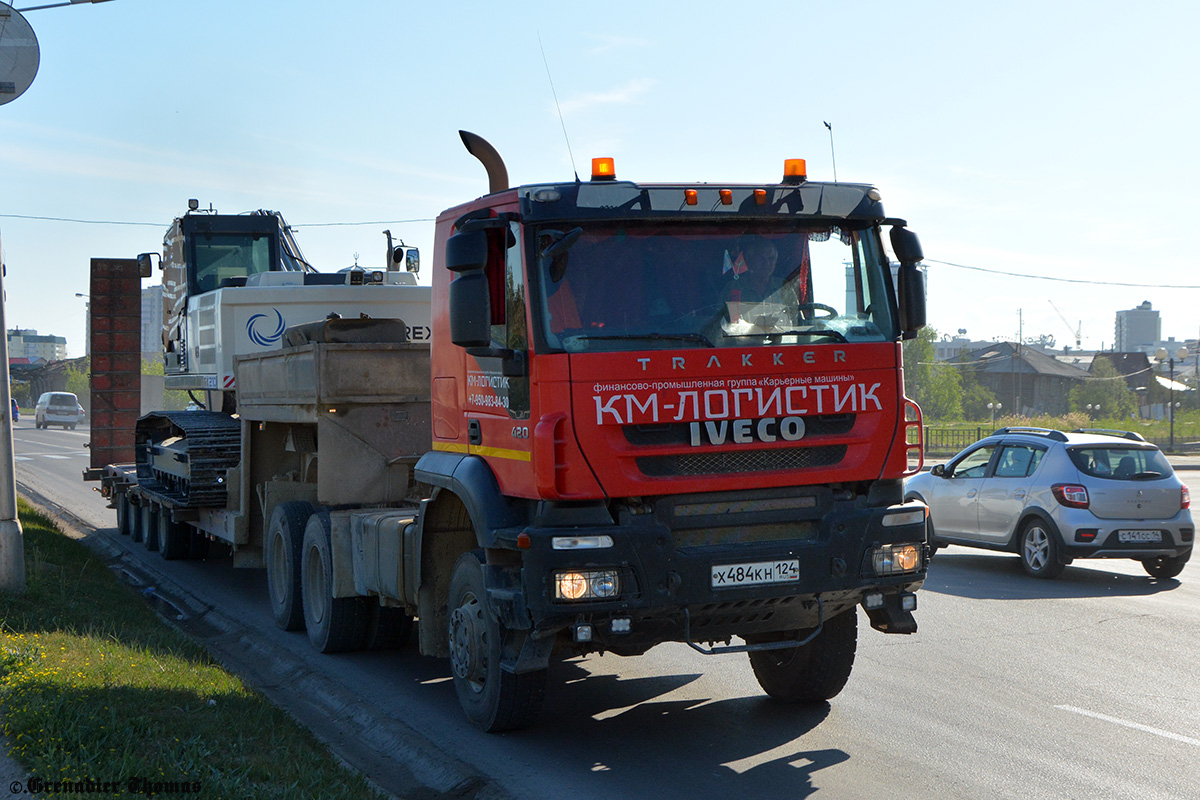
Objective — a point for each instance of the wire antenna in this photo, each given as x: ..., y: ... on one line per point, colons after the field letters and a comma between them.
x: 558, y: 108
x: 832, y: 154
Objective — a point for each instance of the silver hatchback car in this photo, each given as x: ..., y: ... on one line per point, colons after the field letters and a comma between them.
x: 1053, y: 497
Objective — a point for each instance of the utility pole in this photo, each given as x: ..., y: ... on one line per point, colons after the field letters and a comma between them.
x: 12, y: 543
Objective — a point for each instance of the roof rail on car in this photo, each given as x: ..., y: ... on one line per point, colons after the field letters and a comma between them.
x: 1132, y: 436
x: 1049, y: 433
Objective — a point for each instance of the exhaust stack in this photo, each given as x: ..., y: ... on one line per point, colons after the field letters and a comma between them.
x: 487, y: 155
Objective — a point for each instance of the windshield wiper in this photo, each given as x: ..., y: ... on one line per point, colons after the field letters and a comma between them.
x: 1148, y: 475
x: 837, y: 335
x: 686, y: 337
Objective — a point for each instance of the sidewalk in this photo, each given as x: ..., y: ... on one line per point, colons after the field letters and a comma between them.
x: 1181, y: 461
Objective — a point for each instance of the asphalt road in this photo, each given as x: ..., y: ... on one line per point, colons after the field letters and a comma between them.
x: 1081, y: 687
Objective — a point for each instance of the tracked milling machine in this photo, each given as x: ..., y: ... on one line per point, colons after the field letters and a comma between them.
x: 624, y: 414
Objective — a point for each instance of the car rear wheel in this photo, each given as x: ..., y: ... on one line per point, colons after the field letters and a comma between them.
x: 1039, y: 550
x: 1165, y: 567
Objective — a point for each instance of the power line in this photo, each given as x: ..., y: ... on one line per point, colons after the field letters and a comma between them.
x: 1066, y: 280
x: 161, y: 225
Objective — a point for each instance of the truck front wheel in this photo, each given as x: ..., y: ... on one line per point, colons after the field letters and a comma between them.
x: 335, y: 624
x: 284, y: 545
x: 814, y: 672
x: 493, y: 699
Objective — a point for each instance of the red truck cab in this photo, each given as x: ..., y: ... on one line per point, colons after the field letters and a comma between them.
x: 674, y: 412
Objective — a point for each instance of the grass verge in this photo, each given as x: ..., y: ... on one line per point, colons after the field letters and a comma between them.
x: 95, y: 687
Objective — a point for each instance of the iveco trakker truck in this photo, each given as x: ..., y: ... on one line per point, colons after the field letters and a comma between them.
x: 647, y: 413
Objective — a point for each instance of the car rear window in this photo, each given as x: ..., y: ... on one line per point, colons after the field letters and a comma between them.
x: 63, y: 400
x: 1121, y: 463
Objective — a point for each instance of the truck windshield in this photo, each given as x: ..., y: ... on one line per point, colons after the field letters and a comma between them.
x: 642, y: 287
x: 218, y: 256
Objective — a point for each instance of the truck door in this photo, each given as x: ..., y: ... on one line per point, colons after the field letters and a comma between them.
x: 1004, y: 493
x: 498, y: 388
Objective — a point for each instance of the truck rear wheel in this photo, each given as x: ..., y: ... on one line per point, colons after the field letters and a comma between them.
x: 492, y: 698
x: 814, y: 672
x: 335, y: 624
x: 284, y: 545
x: 150, y: 525
x: 172, y: 537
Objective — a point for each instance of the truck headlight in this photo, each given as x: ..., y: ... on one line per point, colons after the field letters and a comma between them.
x: 587, y: 585
x: 895, y: 559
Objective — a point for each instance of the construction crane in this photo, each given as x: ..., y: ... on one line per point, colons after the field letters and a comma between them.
x: 1077, y: 330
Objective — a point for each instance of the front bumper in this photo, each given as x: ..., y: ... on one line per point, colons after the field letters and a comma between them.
x: 666, y: 560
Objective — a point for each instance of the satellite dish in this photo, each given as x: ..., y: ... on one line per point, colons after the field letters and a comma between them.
x: 19, y: 54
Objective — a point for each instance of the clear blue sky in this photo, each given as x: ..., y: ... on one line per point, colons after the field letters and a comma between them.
x: 1049, y: 138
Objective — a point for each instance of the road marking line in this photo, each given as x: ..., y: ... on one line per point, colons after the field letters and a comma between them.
x: 61, y: 458
x: 1136, y: 726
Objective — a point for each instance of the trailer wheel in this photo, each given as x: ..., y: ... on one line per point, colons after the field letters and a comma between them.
x: 135, y: 522
x: 124, y: 514
x: 172, y: 536
x: 388, y: 628
x: 492, y: 698
x: 814, y: 672
x: 284, y: 545
x: 149, y: 525
x: 335, y: 624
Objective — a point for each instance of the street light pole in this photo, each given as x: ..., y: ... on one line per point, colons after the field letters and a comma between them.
x: 1161, y: 354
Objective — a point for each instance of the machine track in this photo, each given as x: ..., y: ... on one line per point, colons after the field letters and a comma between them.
x: 182, y: 457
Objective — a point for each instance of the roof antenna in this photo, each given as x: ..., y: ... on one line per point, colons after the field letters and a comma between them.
x: 831, y: 153
x: 561, y: 121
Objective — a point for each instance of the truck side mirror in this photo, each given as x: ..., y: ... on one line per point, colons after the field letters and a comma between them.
x: 470, y: 308
x: 906, y: 246
x: 910, y: 286
x: 467, y: 250
x: 145, y: 265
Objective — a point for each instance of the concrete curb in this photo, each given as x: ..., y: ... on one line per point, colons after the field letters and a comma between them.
x: 394, y: 758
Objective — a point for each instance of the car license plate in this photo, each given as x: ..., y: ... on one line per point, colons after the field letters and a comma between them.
x: 729, y: 575
x: 1139, y: 536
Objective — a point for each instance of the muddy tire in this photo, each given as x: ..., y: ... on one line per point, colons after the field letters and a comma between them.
x: 284, y: 545
x: 814, y: 672
x: 335, y: 624
x: 493, y: 699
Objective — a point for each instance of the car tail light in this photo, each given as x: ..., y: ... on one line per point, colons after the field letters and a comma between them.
x: 1070, y: 495
x: 1185, y: 498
